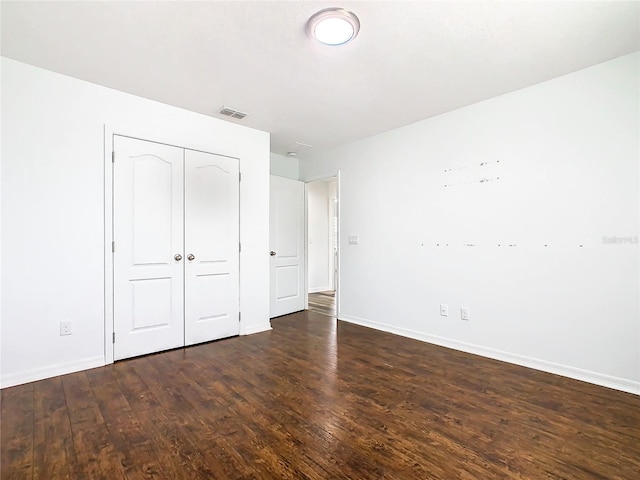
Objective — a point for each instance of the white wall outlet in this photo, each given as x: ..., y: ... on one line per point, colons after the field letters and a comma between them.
x: 65, y: 328
x: 444, y: 310
x: 464, y: 313
x: 353, y: 240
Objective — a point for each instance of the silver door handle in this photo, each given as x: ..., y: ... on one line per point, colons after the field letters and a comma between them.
x: 272, y: 253
x: 178, y: 257
x: 191, y: 256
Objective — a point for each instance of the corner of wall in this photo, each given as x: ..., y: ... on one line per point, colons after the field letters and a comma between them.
x: 282, y: 166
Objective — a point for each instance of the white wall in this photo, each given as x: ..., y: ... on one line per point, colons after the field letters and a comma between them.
x: 282, y: 166
x: 560, y: 299
x: 53, y: 255
x: 318, y: 236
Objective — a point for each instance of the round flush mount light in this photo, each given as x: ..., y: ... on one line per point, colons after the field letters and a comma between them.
x: 333, y: 26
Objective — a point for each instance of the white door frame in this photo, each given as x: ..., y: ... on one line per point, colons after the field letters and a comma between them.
x: 315, y: 178
x: 142, y: 134
x: 108, y: 236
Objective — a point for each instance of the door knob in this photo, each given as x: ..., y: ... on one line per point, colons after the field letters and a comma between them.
x: 272, y: 253
x: 191, y: 256
x: 178, y: 257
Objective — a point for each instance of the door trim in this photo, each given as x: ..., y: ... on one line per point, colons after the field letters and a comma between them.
x: 305, y: 206
x: 108, y: 236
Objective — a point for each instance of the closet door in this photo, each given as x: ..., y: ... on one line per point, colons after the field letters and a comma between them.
x: 148, y: 259
x: 212, y: 239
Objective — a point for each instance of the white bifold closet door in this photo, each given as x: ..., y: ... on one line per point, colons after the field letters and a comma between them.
x: 176, y: 238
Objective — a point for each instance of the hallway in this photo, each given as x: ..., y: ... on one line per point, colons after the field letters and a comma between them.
x: 323, y: 302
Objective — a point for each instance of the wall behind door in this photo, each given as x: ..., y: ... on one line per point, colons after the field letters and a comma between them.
x: 319, y: 234
x: 53, y: 212
x: 318, y: 224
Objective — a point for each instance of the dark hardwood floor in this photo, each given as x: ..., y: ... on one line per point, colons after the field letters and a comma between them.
x: 316, y: 398
x: 323, y: 302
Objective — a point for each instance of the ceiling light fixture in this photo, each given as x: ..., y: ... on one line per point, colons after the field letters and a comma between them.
x: 333, y: 26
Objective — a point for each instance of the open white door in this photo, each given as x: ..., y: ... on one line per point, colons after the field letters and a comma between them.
x: 148, y: 271
x: 286, y: 227
x: 212, y: 240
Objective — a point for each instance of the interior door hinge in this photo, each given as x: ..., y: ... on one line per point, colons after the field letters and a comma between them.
x: 239, y: 176
x: 113, y: 337
x: 239, y: 247
x: 113, y: 247
x: 239, y: 316
x: 113, y: 157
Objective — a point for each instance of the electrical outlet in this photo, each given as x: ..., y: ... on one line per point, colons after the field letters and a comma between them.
x: 444, y: 310
x: 354, y: 240
x: 464, y: 313
x: 65, y: 328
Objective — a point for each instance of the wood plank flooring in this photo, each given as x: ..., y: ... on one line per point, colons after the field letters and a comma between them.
x: 317, y: 399
x: 323, y: 302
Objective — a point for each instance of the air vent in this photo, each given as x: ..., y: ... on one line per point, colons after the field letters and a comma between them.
x: 230, y: 112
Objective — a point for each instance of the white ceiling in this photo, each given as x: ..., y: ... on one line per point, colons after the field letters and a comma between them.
x: 412, y: 60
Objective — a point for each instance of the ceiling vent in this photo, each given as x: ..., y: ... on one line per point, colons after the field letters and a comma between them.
x: 230, y: 112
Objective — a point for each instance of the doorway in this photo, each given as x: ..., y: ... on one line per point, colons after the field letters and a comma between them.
x: 322, y: 245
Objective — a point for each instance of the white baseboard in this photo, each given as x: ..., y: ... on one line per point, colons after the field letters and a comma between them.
x: 596, y: 378
x: 19, y: 378
x: 320, y: 289
x: 251, y: 329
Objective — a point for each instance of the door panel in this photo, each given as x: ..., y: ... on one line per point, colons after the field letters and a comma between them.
x: 286, y: 221
x: 212, y: 236
x: 148, y: 214
x: 151, y: 299
x: 287, y: 285
x: 213, y: 301
x: 152, y: 208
